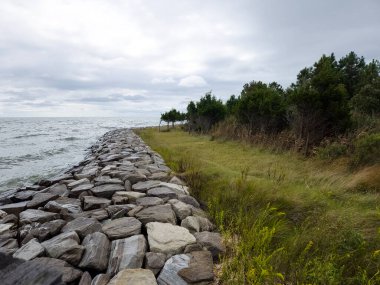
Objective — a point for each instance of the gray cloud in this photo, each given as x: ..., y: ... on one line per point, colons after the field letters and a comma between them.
x: 105, y: 58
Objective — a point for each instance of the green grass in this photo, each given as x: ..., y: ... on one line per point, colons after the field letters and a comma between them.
x: 286, y: 219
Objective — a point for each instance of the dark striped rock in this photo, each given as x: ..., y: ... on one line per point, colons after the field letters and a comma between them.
x: 68, y: 273
x: 97, y: 250
x: 64, y: 246
x: 127, y: 253
x: 91, y: 202
x: 40, y: 199
x: 160, y: 213
x: 149, y: 201
x: 122, y: 228
x: 83, y: 226
x: 169, y: 274
x: 32, y: 215
x: 41, y: 231
x: 101, y: 279
x: 64, y: 203
x: 107, y: 190
x: 14, y: 208
x: 162, y: 192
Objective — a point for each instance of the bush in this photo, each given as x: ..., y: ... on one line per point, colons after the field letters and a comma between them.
x: 332, y: 151
x: 367, y: 150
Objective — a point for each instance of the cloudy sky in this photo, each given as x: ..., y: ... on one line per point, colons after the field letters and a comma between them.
x: 139, y: 58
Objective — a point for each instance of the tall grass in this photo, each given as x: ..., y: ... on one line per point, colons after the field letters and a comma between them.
x: 284, y: 219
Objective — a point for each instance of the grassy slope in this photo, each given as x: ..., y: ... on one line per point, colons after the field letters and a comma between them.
x: 328, y: 234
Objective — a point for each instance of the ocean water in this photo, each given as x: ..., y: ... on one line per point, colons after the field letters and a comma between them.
x: 38, y: 148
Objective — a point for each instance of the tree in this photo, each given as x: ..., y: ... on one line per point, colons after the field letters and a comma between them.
x: 367, y: 100
x: 231, y: 105
x: 261, y: 107
x: 319, y: 101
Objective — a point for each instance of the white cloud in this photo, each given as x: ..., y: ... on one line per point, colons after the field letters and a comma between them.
x: 60, y: 57
x: 192, y: 81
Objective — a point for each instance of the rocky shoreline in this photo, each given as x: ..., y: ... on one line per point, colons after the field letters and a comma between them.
x: 119, y: 217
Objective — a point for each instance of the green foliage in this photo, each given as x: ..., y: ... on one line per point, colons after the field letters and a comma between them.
x: 367, y: 100
x: 262, y: 107
x: 173, y: 116
x: 205, y: 113
x: 231, y: 105
x: 367, y: 150
x: 332, y: 151
x: 320, y: 102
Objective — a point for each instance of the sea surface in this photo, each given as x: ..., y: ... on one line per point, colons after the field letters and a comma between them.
x: 38, y: 148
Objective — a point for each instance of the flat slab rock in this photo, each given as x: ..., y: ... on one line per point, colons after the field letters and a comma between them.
x: 83, y: 226
x: 122, y: 228
x: 107, y: 190
x: 32, y: 215
x: 134, y: 276
x: 160, y: 213
x: 30, y: 250
x: 167, y: 238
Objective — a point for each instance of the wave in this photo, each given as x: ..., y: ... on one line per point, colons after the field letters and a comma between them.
x: 8, y: 162
x: 72, y: 139
x: 30, y: 135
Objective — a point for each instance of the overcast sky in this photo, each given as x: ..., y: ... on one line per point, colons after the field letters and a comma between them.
x: 140, y: 58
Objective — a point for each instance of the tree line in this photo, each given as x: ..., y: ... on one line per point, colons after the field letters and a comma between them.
x: 329, y: 98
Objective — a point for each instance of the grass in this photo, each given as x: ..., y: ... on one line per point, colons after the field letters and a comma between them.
x: 286, y: 219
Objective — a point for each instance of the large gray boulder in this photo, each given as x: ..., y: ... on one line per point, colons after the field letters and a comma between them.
x: 14, y: 208
x: 127, y: 253
x: 107, y: 190
x: 167, y: 238
x: 211, y: 241
x: 32, y: 215
x: 40, y: 199
x: 69, y: 273
x: 162, y: 192
x: 64, y: 246
x: 160, y: 213
x: 96, y: 253
x: 182, y: 210
x: 200, y: 268
x: 30, y: 250
x: 41, y: 231
x: 91, y: 202
x: 122, y: 228
x: 83, y: 226
x: 134, y: 276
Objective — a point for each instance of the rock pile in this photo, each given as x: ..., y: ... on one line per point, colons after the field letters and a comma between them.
x: 119, y: 217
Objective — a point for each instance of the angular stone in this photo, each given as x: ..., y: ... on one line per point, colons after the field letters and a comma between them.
x: 134, y: 277
x: 25, y: 195
x: 122, y: 228
x: 87, y: 173
x: 64, y: 246
x: 191, y: 223
x: 11, y: 218
x: 78, y: 183
x: 128, y: 185
x: 212, y: 241
x: 205, y: 224
x: 193, y: 247
x: 188, y: 200
x: 85, y: 279
x: 75, y: 192
x: 100, y: 180
x: 144, y: 186
x: 101, y: 279
x: 134, y: 211
x: 14, y: 208
x: 162, y: 192
x: 119, y: 200
x: 181, y: 209
x: 160, y: 213
x: 132, y: 196
x: 97, y: 251
x: 91, y: 202
x: 167, y: 238
x: 30, y: 250
x: 40, y: 199
x: 31, y: 215
x: 41, y: 231
x: 8, y: 230
x: 2, y: 214
x: 64, y: 204
x: 176, y: 180
x: 56, y: 189
x: 127, y: 253
x: 200, y: 268
x: 162, y: 176
x: 69, y: 273
x: 154, y: 261
x: 149, y: 201
x: 179, y: 189
x: 169, y: 274
x: 18, y: 272
x: 8, y: 245
x: 107, y: 190
x: 83, y: 226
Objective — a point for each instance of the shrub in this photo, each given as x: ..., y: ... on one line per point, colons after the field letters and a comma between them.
x: 367, y: 150
x: 332, y: 151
